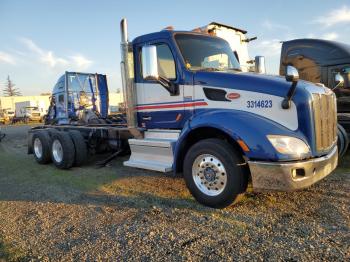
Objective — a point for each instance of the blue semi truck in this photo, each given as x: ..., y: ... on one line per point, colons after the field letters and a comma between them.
x: 190, y: 109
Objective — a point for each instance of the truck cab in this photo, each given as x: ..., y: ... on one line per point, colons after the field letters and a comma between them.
x: 190, y: 86
x: 78, y: 95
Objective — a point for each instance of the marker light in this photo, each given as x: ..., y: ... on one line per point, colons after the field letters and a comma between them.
x: 289, y: 145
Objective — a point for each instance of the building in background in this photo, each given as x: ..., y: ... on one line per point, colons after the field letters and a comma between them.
x: 9, y: 102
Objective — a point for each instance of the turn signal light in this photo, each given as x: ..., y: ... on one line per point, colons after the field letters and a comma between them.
x: 243, y: 145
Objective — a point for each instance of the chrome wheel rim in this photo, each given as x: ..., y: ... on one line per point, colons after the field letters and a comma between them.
x: 209, y: 175
x: 38, y: 148
x: 57, y: 151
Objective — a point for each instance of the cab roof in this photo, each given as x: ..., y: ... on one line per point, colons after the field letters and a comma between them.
x: 165, y: 34
x: 228, y: 26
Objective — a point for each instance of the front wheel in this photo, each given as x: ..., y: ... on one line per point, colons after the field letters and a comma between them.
x: 213, y: 173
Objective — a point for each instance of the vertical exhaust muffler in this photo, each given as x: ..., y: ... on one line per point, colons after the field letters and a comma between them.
x: 127, y: 73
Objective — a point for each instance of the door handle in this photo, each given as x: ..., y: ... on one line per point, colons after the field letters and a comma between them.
x: 147, y: 118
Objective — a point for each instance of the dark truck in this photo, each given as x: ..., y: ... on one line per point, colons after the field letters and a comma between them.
x: 319, y: 61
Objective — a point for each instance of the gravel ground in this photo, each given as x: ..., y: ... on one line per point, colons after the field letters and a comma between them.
x: 119, y: 213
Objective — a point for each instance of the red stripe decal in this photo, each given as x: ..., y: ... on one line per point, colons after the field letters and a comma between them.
x: 172, y: 106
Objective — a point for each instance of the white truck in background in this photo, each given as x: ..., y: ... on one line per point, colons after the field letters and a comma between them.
x: 29, y: 111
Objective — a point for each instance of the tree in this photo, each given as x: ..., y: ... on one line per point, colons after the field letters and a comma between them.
x: 10, y: 89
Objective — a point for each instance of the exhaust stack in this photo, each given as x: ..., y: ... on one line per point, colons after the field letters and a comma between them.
x: 127, y: 73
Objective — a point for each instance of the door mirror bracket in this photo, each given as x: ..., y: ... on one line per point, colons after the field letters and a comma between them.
x: 292, y: 75
x: 172, y: 88
x: 339, y: 81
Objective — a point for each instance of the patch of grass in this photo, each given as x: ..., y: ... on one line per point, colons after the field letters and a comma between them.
x: 344, y: 164
x: 4, y: 256
x: 10, y: 254
x: 23, y: 169
x: 137, y: 185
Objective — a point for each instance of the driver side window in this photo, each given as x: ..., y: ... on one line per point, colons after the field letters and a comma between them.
x: 166, y: 63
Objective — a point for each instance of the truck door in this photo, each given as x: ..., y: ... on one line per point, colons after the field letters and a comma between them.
x: 156, y: 107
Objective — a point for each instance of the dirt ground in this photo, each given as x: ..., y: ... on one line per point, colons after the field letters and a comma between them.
x: 118, y: 213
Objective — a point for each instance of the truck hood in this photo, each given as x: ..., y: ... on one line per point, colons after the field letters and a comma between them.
x: 267, y: 84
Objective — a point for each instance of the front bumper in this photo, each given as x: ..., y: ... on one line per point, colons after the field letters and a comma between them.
x: 294, y: 175
x: 35, y: 118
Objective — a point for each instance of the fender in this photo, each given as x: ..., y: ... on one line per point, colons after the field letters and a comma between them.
x: 249, y: 127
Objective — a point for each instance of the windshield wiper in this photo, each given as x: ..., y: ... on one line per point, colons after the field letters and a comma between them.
x: 209, y: 69
x: 235, y: 69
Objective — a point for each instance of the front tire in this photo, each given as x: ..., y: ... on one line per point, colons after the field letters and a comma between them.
x: 213, y: 173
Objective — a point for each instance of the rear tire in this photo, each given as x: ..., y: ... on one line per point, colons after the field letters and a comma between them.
x: 81, y: 150
x: 40, y: 145
x: 62, y: 150
x: 212, y: 173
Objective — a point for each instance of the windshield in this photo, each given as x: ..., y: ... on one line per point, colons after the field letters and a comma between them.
x: 201, y: 52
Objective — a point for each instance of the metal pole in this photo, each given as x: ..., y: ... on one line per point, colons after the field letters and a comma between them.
x: 66, y: 90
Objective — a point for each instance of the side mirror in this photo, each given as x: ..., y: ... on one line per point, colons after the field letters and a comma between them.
x: 292, y: 74
x: 260, y: 65
x: 150, y: 69
x: 149, y: 62
x: 339, y: 80
x: 346, y: 75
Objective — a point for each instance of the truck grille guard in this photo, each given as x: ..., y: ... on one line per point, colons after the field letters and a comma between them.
x: 325, y: 121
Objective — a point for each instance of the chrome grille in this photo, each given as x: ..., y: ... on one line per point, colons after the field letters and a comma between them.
x: 325, y: 117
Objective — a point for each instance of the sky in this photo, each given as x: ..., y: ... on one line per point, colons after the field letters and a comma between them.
x: 40, y: 40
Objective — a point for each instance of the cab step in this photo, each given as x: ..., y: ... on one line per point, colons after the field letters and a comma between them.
x: 162, y: 134
x: 154, y: 152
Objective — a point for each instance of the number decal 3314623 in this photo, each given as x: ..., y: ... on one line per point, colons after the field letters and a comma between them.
x: 259, y: 103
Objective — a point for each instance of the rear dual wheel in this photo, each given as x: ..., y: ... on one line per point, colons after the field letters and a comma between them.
x: 81, y: 150
x: 64, y: 149
x: 41, y: 143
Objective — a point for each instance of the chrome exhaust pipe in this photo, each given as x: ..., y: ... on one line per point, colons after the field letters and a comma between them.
x: 124, y: 30
x: 127, y: 74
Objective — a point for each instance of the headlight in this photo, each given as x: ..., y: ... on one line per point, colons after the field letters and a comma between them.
x: 289, y: 145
